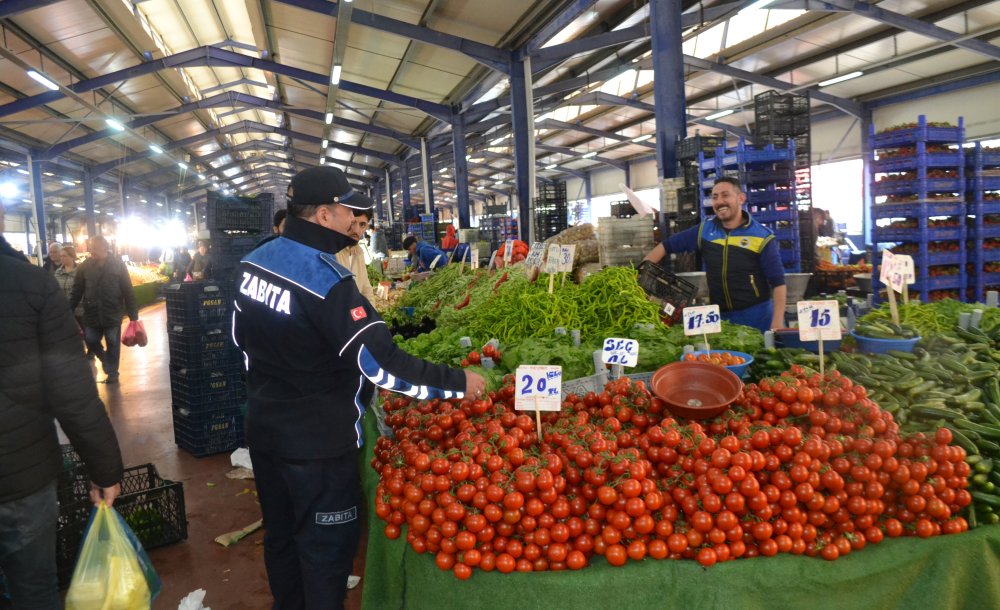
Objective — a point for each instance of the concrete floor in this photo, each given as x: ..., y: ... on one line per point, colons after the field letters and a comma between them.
x: 233, y: 577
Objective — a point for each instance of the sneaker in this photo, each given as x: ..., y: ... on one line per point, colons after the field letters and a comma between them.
x: 110, y: 379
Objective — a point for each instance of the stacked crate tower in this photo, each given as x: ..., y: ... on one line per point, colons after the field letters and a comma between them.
x: 768, y: 178
x: 782, y: 120
x: 550, y: 210
x: 983, y: 209
x: 208, y: 394
x: 919, y: 206
x: 690, y: 197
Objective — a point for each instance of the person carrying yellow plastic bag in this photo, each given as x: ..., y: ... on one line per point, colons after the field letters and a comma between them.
x: 113, y: 571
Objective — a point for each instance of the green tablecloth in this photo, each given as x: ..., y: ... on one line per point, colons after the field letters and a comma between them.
x: 961, y: 571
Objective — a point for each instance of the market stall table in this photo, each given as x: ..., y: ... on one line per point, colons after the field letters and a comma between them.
x: 940, y: 572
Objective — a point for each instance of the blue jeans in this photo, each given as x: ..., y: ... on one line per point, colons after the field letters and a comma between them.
x: 312, y: 523
x: 28, y: 549
x: 109, y: 355
x: 758, y: 316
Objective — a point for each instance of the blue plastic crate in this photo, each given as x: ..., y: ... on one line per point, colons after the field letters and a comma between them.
x: 898, y: 164
x: 986, y: 183
x: 209, y: 432
x: 987, y: 279
x: 921, y: 133
x: 206, y: 388
x: 742, y: 157
x: 194, y: 347
x: 934, y: 259
x: 786, y: 234
x: 984, y: 208
x: 915, y: 209
x: 770, y: 195
x: 986, y: 231
x: 427, y: 218
x: 931, y: 185
x: 771, y: 216
x: 196, y: 303
x: 944, y: 282
x: 984, y: 255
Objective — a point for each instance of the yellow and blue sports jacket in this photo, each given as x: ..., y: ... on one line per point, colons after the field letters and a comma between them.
x: 742, y: 265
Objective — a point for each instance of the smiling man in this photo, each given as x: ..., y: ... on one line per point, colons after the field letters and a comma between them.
x: 745, y: 276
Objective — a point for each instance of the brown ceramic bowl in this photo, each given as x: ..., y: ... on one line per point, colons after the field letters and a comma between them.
x: 695, y: 390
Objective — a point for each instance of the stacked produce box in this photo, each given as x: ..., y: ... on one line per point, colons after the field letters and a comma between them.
x: 550, y: 210
x: 624, y: 241
x: 983, y: 209
x: 919, y: 189
x: 768, y: 179
x: 496, y: 227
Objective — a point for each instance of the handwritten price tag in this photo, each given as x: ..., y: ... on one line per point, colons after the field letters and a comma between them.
x: 566, y: 258
x: 886, y: 267
x: 819, y: 319
x: 538, y: 387
x: 474, y: 257
x: 535, y: 256
x: 904, y: 264
x: 620, y: 351
x: 508, y: 250
x: 702, y: 320
x: 552, y: 258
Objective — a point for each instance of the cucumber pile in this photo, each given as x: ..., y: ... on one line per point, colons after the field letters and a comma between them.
x: 885, y: 329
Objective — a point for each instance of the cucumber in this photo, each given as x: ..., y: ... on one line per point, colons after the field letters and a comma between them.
x: 963, y: 441
x: 991, y: 431
x: 986, y: 498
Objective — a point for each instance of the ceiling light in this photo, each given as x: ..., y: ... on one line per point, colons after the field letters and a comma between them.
x: 551, y: 166
x: 8, y: 190
x: 156, y: 149
x: 99, y: 190
x: 335, y: 75
x: 143, y: 201
x: 68, y: 183
x: 413, y: 185
x: 498, y: 183
x: 23, y: 171
x: 159, y: 204
x: 113, y: 124
x: 49, y: 174
x: 82, y: 209
x: 329, y: 118
x: 642, y: 138
x: 43, y: 80
x: 480, y: 187
x: 588, y: 155
x: 189, y: 211
x: 719, y: 114
x: 840, y: 79
x: 444, y: 170
x: 498, y: 141
x: 182, y: 165
x: 326, y: 143
x: 57, y: 205
x: 109, y: 213
x: 322, y: 160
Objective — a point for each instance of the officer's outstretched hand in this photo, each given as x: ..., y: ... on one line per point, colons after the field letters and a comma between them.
x: 475, y: 385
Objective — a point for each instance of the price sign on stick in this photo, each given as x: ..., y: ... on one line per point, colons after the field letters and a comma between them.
x: 535, y: 255
x: 566, y: 258
x: 903, y: 275
x: 508, y: 250
x: 702, y: 320
x: 623, y: 352
x: 538, y: 388
x: 474, y: 257
x: 819, y: 321
x: 552, y: 257
x: 886, y: 270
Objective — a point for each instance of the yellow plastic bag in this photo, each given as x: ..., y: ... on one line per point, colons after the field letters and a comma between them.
x: 108, y: 574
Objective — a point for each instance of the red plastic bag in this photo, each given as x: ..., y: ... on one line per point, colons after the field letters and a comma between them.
x: 135, y: 334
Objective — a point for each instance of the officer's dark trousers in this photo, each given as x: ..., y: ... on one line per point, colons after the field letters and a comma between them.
x: 312, y: 523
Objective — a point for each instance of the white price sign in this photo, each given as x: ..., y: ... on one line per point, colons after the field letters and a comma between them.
x: 474, y: 257
x: 906, y: 270
x: 535, y: 255
x: 886, y: 268
x: 566, y: 258
x: 702, y: 320
x: 819, y: 319
x: 553, y: 259
x: 508, y: 250
x: 539, y: 387
x: 620, y: 351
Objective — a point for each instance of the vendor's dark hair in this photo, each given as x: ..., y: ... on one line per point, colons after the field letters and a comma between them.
x: 729, y: 180
x: 365, y: 212
x: 279, y: 216
x: 409, y: 241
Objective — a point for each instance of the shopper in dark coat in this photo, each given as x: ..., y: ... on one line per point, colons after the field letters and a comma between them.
x: 181, y: 261
x: 103, y: 284
x: 43, y: 375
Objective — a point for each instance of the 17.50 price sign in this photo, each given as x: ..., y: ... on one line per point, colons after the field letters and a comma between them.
x: 702, y: 320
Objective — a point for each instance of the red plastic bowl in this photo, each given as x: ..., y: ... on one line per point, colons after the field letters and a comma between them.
x: 695, y: 390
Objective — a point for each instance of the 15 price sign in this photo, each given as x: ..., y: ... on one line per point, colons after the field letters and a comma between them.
x: 819, y: 319
x: 702, y: 320
x: 620, y: 351
x: 538, y: 388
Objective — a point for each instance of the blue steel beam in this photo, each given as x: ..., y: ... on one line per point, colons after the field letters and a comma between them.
x: 208, y: 56
x: 577, y: 156
x: 668, y: 88
x: 522, y: 123
x: 9, y: 8
x: 544, y: 59
x: 487, y: 55
x: 917, y: 26
x: 554, y: 124
x: 977, y: 80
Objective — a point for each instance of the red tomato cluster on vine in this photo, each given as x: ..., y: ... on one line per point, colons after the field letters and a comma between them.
x: 801, y: 464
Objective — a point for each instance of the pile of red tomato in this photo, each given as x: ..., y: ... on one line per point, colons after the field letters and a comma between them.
x: 802, y: 464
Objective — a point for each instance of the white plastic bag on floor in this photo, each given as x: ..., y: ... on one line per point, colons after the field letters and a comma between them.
x: 193, y: 601
x: 241, y: 458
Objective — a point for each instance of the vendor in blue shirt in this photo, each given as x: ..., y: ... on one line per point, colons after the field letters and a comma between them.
x: 422, y: 254
x: 742, y: 262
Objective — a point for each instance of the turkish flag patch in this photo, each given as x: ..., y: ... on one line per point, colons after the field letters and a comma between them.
x: 358, y: 313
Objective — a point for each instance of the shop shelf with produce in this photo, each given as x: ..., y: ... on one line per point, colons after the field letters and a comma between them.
x: 983, y: 196
x: 921, y: 131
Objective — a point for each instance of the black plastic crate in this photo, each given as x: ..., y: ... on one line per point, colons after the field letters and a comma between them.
x: 207, y: 387
x: 674, y: 292
x: 230, y: 213
x: 196, y: 303
x: 691, y: 173
x: 201, y: 347
x: 772, y: 102
x: 622, y: 209
x: 151, y: 505
x: 229, y: 248
x: 688, y: 199
x: 688, y: 148
x: 782, y: 125
x: 202, y: 433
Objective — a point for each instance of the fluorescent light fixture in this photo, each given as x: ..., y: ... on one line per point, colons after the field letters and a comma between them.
x: 719, y: 114
x: 43, y: 80
x: 413, y: 185
x: 551, y: 166
x: 755, y: 6
x: 840, y: 79
x: 57, y: 205
x: 498, y: 183
x: 322, y: 160
x: 328, y: 118
x: 189, y: 211
x: 159, y: 204
x: 498, y: 141
x: 109, y: 213
x: 68, y: 183
x: 588, y: 155
x: 325, y: 144
x: 335, y: 75
x: 201, y: 176
x: 182, y: 165
x: 82, y: 209
x: 444, y: 170
x: 156, y: 149
x: 113, y: 124
x: 23, y: 171
x: 143, y: 201
x: 642, y: 138
x: 99, y: 190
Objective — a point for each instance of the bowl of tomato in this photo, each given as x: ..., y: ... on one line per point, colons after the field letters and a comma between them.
x: 737, y: 362
x: 696, y: 390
